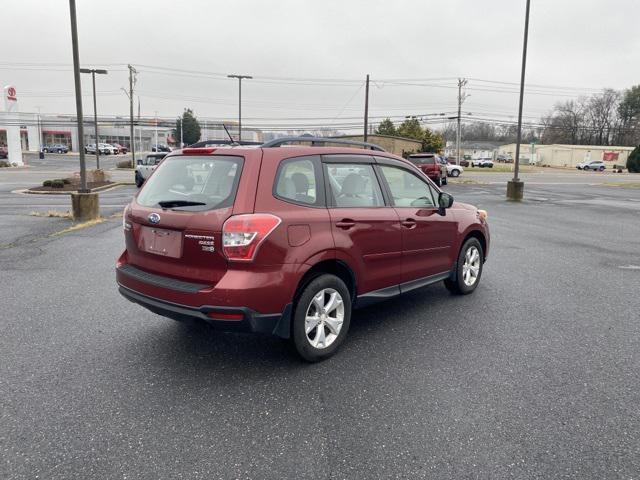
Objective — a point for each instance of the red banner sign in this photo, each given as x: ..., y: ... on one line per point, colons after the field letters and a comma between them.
x: 610, y: 156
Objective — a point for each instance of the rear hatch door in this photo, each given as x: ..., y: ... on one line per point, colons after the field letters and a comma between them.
x: 175, y: 223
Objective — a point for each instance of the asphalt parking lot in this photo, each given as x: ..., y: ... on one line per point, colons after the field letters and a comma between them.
x: 535, y: 375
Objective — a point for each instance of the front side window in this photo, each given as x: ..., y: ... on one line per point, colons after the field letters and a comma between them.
x: 353, y: 185
x: 407, y: 189
x: 296, y: 181
x: 193, y: 183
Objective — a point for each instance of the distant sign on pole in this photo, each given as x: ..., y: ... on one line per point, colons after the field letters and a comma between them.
x: 14, y: 144
x: 10, y: 98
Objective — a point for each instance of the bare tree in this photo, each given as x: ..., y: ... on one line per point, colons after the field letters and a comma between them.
x: 601, y: 117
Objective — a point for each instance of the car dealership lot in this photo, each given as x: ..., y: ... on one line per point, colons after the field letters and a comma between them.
x: 534, y: 375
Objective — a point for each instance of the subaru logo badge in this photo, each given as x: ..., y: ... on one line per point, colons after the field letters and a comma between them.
x: 154, y: 218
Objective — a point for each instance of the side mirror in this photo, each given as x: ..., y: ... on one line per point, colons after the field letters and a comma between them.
x: 444, y: 201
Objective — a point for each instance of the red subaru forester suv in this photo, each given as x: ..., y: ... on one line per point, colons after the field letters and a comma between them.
x: 287, y: 241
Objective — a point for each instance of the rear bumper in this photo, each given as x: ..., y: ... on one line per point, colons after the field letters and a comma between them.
x: 245, y: 319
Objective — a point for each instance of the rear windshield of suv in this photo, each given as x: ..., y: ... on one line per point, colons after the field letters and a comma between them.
x: 193, y: 183
x: 423, y: 160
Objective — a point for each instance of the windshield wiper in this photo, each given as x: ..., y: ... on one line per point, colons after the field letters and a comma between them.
x: 179, y: 203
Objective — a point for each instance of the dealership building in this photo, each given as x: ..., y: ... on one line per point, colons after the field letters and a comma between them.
x: 37, y: 130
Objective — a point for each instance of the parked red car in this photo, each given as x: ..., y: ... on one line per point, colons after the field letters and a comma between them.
x: 429, y: 163
x: 287, y: 241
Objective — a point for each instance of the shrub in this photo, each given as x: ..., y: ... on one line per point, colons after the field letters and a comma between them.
x: 4, y: 164
x: 66, y: 181
x: 97, y: 176
x: 46, y: 183
x: 57, y: 184
x: 633, y: 163
x: 124, y: 164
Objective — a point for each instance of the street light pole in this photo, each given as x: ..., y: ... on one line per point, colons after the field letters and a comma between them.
x: 93, y: 72
x: 240, y: 78
x: 515, y: 187
x: 76, y: 78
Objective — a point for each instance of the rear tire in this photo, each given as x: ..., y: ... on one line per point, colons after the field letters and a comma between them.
x: 468, y: 268
x: 139, y: 180
x: 455, y: 173
x: 321, y: 318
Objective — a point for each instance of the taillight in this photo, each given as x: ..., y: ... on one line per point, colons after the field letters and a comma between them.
x: 126, y: 226
x: 243, y: 234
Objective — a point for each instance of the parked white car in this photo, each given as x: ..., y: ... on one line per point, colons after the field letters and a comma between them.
x: 107, y: 149
x: 454, y: 170
x: 482, y: 163
x: 146, y: 166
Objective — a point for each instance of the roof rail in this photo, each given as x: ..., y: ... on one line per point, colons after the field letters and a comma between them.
x: 206, y: 143
x: 315, y: 140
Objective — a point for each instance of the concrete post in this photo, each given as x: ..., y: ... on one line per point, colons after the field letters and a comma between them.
x: 85, y: 206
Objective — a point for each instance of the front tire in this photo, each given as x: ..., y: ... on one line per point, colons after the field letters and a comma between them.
x: 438, y: 182
x: 444, y: 180
x: 468, y: 268
x: 321, y: 318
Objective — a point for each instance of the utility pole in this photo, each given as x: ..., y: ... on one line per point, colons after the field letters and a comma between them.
x: 515, y: 188
x: 93, y: 72
x: 132, y: 72
x: 366, y: 110
x: 76, y: 78
x: 462, y: 82
x: 240, y: 78
x: 156, y: 122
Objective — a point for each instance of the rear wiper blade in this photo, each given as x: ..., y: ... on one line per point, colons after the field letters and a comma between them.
x: 179, y: 203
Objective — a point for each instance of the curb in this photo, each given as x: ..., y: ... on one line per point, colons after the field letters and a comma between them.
x: 104, y: 188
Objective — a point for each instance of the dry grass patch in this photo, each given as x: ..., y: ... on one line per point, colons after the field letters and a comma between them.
x: 51, y: 214
x: 79, y: 226
x: 622, y: 184
x: 464, y: 181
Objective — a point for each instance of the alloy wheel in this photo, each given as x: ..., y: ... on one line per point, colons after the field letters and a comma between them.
x: 324, y: 318
x: 471, y: 266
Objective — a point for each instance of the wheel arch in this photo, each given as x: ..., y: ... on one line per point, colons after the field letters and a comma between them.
x: 335, y: 267
x: 481, y: 238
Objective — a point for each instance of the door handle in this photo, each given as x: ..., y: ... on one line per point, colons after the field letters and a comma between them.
x: 345, y: 224
x: 409, y: 223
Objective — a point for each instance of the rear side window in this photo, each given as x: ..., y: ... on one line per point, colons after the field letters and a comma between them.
x: 353, y: 185
x: 296, y: 180
x: 193, y: 183
x: 422, y: 160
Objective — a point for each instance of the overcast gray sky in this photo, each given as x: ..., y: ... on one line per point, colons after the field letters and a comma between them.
x: 579, y: 45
